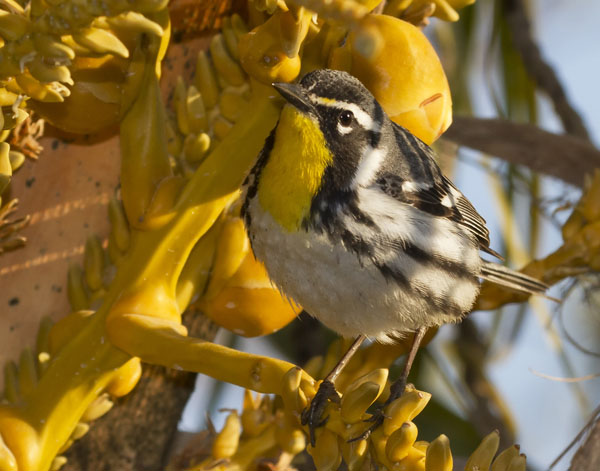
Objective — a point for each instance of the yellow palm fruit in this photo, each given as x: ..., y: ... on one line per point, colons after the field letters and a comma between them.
x: 50, y: 47
x: 518, y: 463
x: 47, y: 92
x: 16, y: 159
x: 100, y: 41
x: 93, y: 263
x: 414, y: 461
x: 359, y: 396
x: 439, y: 455
x: 125, y: 379
x: 254, y: 418
x: 238, y: 26
x: 401, y: 441
x: 481, y: 458
x: 13, y: 117
x: 404, y: 74
x: 504, y: 459
x: 135, y: 22
x: 180, y: 106
x: 118, y: 223
x: 11, y: 382
x: 248, y: 304
x: 78, y: 298
x: 378, y: 375
x: 326, y: 452
x: 289, y: 436
x: 196, y: 112
x: 7, y: 98
x: 262, y: 54
x: 379, y: 443
x: 5, y: 166
x: 100, y: 406
x: 230, y: 38
x: 294, y: 399
x: 8, y: 461
x: 226, y: 66
x: 79, y: 431
x: 354, y: 453
x: 47, y: 73
x: 227, y: 440
x: 27, y: 372
x: 404, y: 409
x: 195, y: 147
x: 57, y: 463
x: 13, y: 26
x: 356, y: 402
x: 206, y: 80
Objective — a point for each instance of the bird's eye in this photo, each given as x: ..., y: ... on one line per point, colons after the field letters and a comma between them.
x: 345, y: 118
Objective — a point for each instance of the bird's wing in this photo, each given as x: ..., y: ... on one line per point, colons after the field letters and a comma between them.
x: 428, y: 190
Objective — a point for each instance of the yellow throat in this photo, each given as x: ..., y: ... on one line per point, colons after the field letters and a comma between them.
x: 294, y: 170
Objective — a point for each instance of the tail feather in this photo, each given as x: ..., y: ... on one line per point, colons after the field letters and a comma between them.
x: 504, y: 276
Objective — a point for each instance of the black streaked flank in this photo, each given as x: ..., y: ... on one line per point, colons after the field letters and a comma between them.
x: 456, y: 269
x: 253, y: 177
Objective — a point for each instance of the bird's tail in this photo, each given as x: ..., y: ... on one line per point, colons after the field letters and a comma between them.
x: 504, y: 276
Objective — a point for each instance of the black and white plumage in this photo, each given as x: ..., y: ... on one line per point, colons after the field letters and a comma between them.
x: 388, y: 244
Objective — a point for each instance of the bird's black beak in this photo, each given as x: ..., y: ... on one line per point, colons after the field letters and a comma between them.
x: 295, y: 95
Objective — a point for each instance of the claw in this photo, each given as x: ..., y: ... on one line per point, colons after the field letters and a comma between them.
x: 377, y: 421
x: 311, y: 416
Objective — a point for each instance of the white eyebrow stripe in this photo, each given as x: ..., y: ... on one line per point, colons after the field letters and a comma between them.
x: 363, y: 118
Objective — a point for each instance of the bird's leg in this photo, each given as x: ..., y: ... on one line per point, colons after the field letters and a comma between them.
x: 312, y: 414
x: 398, y: 386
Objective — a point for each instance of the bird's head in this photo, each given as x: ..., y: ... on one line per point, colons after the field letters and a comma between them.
x: 336, y: 107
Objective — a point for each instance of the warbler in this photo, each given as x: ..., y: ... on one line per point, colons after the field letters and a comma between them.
x: 355, y: 221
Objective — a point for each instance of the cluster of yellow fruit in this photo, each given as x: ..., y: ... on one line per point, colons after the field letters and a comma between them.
x: 40, y: 42
x: 268, y: 429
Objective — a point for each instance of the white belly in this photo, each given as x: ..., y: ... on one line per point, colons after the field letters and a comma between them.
x: 347, y: 295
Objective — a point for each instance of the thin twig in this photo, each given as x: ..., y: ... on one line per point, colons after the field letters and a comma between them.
x: 565, y: 380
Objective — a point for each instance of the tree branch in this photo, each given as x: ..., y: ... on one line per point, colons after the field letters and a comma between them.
x: 539, y: 70
x: 587, y: 457
x: 566, y: 157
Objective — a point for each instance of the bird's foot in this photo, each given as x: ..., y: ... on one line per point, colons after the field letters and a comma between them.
x: 311, y: 416
x: 378, y: 416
